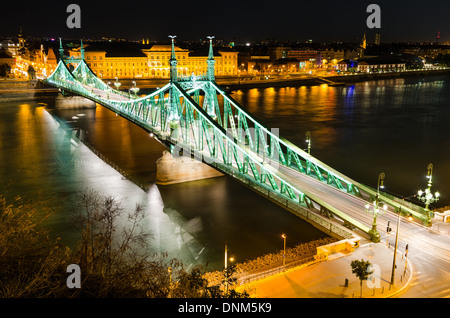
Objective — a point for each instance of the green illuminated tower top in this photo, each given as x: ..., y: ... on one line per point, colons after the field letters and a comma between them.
x: 173, y: 61
x: 210, y: 61
x: 82, y: 50
x: 61, y: 50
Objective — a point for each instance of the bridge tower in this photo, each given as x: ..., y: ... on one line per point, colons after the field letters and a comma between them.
x: 82, y: 50
x: 211, y: 61
x: 173, y: 62
x: 210, y: 102
x: 172, y: 114
x: 61, y: 50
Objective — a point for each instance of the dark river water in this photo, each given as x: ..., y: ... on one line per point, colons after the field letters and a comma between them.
x: 394, y: 126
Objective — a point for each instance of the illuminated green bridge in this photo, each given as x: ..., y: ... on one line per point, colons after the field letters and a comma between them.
x: 194, y: 114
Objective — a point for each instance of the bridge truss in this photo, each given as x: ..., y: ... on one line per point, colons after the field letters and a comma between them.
x: 194, y: 115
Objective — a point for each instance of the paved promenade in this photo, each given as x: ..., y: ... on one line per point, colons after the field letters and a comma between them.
x: 327, y: 279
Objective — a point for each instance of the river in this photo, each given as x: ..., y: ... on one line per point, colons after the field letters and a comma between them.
x: 395, y: 126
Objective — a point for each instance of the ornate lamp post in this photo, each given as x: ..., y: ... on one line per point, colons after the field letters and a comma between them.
x: 117, y: 84
x: 134, y: 89
x: 376, y: 208
x: 227, y: 272
x: 308, y: 140
x: 426, y: 196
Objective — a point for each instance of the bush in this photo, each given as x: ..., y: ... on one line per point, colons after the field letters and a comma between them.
x: 114, y: 261
x: 272, y: 260
x: 31, y: 264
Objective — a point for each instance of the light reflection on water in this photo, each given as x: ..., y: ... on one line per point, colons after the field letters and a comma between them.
x: 40, y: 159
x: 396, y: 126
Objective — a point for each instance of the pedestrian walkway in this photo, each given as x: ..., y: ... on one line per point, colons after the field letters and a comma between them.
x: 327, y: 279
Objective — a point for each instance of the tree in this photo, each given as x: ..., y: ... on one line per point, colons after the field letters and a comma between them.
x: 362, y: 270
x: 116, y: 260
x: 31, y: 263
x: 190, y: 284
x: 114, y: 250
x: 5, y: 69
x: 31, y: 73
x: 113, y: 254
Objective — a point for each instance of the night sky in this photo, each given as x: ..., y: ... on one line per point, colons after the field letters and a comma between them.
x: 243, y: 20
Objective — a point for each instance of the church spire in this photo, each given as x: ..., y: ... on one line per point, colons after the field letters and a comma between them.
x: 364, y: 43
x: 21, y: 39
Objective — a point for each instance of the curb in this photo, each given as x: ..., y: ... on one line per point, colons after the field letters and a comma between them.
x: 406, y: 285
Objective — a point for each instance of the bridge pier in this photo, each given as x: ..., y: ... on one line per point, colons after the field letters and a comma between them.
x: 72, y: 102
x: 170, y: 170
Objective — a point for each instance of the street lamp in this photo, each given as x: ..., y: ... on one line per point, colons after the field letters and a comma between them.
x: 308, y: 140
x: 226, y: 270
x: 117, y: 84
x: 376, y: 208
x: 284, y: 250
x: 134, y: 89
x: 426, y: 196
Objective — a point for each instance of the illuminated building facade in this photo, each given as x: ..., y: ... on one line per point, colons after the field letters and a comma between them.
x: 42, y: 61
x: 154, y: 62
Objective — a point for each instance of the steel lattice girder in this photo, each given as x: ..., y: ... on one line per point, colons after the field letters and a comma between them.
x: 272, y: 144
x: 241, y: 133
x: 152, y: 112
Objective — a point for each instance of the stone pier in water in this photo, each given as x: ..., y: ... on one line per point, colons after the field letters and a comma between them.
x: 73, y: 102
x: 170, y: 170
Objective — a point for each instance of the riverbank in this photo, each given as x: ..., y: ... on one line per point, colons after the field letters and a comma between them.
x: 332, y: 80
x: 24, y: 90
x: 19, y: 90
x: 235, y: 83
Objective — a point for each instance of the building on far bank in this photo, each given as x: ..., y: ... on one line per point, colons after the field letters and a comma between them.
x: 41, y: 58
x: 10, y: 46
x: 309, y: 58
x: 381, y: 65
x: 347, y: 65
x: 377, y: 39
x: 278, y: 52
x: 372, y: 65
x: 154, y: 62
